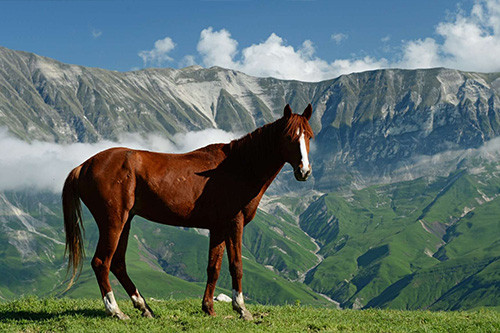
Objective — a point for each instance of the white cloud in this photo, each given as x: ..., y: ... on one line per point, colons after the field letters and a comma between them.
x: 188, y: 60
x: 159, y: 54
x: 217, y: 48
x: 421, y: 54
x: 189, y: 141
x: 96, y: 33
x: 338, y: 37
x: 44, y: 166
x: 275, y: 58
x: 470, y: 41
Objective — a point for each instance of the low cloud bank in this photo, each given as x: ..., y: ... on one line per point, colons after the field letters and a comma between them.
x: 444, y: 163
x: 44, y: 166
x: 489, y: 152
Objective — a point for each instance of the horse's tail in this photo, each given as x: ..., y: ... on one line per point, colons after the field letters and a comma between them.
x: 73, y: 224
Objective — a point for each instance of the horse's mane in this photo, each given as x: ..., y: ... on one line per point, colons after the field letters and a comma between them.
x: 258, y: 146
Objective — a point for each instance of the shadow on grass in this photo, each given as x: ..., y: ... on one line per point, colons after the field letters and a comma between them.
x: 42, y: 315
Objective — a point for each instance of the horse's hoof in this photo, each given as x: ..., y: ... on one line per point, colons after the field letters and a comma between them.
x: 211, y: 313
x: 208, y: 309
x: 148, y: 314
x: 120, y: 315
x: 246, y: 315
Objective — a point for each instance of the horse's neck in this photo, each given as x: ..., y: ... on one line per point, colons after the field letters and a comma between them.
x: 258, y: 155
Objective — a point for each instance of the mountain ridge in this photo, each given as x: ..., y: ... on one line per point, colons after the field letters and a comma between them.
x: 368, y: 125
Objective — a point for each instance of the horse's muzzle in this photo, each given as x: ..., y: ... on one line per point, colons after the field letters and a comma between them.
x: 302, y: 174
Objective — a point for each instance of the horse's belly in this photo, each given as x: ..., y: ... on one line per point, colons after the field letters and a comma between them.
x: 198, y: 213
x: 169, y: 219
x: 176, y: 210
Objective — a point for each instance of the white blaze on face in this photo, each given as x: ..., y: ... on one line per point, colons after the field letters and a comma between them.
x: 303, y: 153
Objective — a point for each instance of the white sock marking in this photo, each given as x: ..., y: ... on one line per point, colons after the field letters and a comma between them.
x: 238, y: 299
x: 110, y: 303
x: 138, y: 301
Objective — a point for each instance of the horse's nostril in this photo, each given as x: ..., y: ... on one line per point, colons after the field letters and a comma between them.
x: 302, y: 174
x: 305, y: 173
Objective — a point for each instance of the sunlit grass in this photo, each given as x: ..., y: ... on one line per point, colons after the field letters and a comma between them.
x: 40, y: 315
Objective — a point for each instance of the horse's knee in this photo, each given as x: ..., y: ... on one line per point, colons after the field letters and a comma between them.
x: 96, y: 263
x: 99, y: 266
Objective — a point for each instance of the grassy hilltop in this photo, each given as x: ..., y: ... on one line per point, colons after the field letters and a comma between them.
x: 40, y: 315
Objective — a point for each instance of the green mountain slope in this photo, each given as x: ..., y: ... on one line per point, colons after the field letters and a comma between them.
x: 417, y: 244
x: 164, y: 261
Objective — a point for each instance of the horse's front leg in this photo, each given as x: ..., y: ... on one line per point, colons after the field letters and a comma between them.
x: 216, y: 251
x: 233, y: 242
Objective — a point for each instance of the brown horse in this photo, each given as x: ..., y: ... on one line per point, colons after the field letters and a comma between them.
x: 217, y: 187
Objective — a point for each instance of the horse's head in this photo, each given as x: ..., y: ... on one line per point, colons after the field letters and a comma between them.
x: 295, y: 141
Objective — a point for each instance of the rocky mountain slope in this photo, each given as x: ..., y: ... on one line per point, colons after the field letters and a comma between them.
x: 370, y: 126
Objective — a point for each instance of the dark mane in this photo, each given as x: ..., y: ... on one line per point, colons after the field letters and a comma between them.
x: 257, y: 145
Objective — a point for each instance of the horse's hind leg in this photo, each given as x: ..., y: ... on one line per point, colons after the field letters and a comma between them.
x: 110, y: 230
x: 119, y: 269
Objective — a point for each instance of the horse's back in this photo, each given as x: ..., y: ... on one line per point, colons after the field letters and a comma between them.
x: 114, y: 163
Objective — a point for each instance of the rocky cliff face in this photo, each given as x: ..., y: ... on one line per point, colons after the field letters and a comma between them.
x: 43, y: 99
x: 379, y: 122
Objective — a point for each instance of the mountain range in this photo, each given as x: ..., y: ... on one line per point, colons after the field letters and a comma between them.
x: 401, y: 211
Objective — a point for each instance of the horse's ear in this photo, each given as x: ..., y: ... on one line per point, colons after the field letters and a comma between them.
x: 308, y: 112
x: 288, y: 111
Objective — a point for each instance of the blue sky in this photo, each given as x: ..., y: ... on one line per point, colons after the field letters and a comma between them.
x: 307, y: 40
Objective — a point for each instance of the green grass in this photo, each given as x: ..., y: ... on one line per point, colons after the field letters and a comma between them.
x: 42, y: 315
